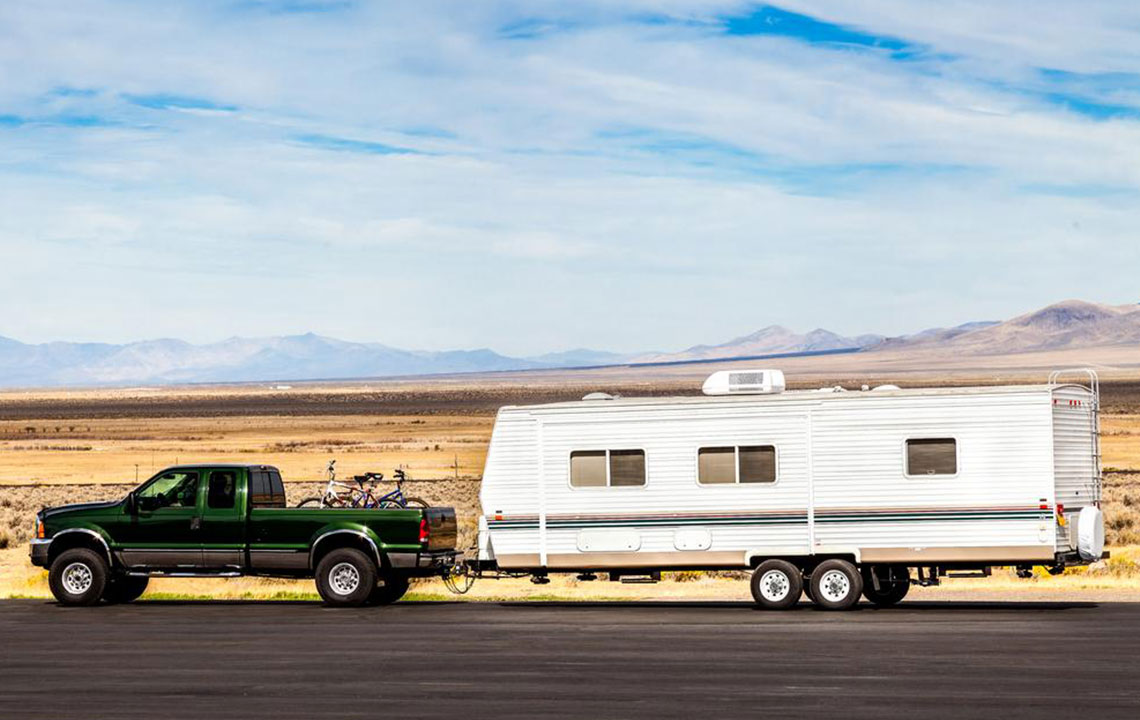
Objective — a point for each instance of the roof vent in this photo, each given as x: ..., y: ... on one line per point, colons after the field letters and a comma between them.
x: 744, y: 382
x: 598, y: 396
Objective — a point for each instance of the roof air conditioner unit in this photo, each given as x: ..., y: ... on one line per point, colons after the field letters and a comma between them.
x: 744, y: 382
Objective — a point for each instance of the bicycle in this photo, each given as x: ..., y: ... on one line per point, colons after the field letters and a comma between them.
x: 393, y: 500
x: 337, y: 494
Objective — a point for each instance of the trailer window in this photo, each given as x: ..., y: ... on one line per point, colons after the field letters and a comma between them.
x: 607, y: 468
x: 932, y: 456
x: 736, y: 464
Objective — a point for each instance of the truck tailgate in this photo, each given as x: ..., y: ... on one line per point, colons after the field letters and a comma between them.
x: 441, y: 528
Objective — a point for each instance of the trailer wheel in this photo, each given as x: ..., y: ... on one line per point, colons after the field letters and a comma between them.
x: 892, y: 587
x: 391, y: 588
x: 345, y: 577
x: 78, y: 576
x: 777, y: 585
x: 836, y: 585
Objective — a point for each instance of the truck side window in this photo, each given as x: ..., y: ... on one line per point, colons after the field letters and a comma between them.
x: 221, y: 492
x: 276, y: 488
x: 932, y: 456
x: 173, y: 489
x: 260, y: 494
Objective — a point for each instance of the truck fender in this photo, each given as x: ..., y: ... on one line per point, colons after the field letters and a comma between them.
x: 327, y: 533
x: 104, y: 547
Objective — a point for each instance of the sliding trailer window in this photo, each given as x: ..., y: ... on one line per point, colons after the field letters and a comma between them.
x: 736, y: 464
x: 931, y: 456
x: 607, y: 468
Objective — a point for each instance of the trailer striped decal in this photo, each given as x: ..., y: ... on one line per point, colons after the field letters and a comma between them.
x: 507, y: 522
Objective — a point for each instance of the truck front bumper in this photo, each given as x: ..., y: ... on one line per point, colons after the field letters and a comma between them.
x: 423, y: 563
x: 38, y: 552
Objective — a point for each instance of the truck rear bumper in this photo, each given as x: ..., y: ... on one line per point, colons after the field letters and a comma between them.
x: 423, y: 563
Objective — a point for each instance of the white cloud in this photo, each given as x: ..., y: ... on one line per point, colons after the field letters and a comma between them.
x: 695, y: 186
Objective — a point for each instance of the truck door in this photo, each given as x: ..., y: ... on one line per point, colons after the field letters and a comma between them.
x: 162, y: 533
x: 222, y: 525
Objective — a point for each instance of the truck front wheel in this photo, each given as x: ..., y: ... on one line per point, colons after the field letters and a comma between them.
x: 78, y: 577
x: 125, y: 589
x: 346, y: 577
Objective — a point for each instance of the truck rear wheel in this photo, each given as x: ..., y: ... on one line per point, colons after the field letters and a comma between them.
x: 125, y: 588
x: 78, y: 577
x: 345, y: 577
x: 836, y: 585
x: 893, y: 586
x: 777, y: 585
x: 390, y: 589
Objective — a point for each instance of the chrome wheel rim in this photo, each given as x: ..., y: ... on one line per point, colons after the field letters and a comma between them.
x: 835, y: 585
x: 775, y: 585
x: 344, y: 578
x: 77, y: 578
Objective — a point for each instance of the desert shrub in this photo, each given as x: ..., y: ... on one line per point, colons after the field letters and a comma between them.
x: 5, y: 540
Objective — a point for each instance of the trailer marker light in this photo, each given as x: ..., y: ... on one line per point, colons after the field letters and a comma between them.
x: 1061, y: 515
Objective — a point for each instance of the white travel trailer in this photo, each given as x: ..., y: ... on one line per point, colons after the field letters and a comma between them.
x: 832, y: 493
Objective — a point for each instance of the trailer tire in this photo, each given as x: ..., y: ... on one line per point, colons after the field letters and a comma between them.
x: 836, y: 585
x: 777, y: 585
x: 78, y: 577
x: 392, y: 588
x: 345, y: 577
x: 125, y: 589
x: 890, y: 592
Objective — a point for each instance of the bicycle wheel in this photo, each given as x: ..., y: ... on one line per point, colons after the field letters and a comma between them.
x: 310, y: 502
x: 414, y: 502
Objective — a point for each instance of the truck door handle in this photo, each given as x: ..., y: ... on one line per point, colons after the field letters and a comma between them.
x: 195, y: 523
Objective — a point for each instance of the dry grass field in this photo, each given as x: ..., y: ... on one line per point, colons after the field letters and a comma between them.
x: 70, y: 446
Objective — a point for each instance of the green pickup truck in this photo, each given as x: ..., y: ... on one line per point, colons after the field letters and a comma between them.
x: 231, y: 520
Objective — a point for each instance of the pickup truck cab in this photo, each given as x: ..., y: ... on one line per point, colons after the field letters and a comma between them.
x: 231, y: 520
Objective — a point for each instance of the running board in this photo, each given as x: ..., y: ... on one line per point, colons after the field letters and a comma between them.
x: 162, y: 574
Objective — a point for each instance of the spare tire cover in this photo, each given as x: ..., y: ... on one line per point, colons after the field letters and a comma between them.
x: 1090, y: 533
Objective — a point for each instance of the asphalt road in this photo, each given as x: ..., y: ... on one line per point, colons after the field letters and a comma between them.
x: 614, y: 660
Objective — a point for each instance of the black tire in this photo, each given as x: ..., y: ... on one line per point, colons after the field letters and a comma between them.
x: 313, y: 501
x: 777, y: 584
x: 78, y: 577
x: 390, y: 589
x: 125, y: 588
x: 414, y: 502
x: 892, y: 586
x: 836, y: 585
x: 346, y: 577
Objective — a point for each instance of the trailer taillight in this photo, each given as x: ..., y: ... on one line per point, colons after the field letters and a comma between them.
x: 1061, y: 514
x: 425, y: 531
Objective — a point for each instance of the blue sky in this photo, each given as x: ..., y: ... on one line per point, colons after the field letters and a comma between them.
x: 542, y: 175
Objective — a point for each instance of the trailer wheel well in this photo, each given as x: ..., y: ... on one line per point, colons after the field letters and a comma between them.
x: 805, y: 563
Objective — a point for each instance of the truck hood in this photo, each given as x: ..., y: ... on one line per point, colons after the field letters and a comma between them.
x: 80, y: 507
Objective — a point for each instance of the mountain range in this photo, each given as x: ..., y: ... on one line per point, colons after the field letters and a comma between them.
x: 1073, y: 323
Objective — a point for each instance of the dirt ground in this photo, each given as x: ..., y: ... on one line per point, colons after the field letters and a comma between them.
x: 62, y: 446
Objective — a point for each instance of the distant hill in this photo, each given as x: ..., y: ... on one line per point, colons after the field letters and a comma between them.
x: 772, y: 340
x: 295, y: 357
x: 1068, y: 324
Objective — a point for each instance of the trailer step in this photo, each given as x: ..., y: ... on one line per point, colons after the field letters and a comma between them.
x: 638, y: 578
